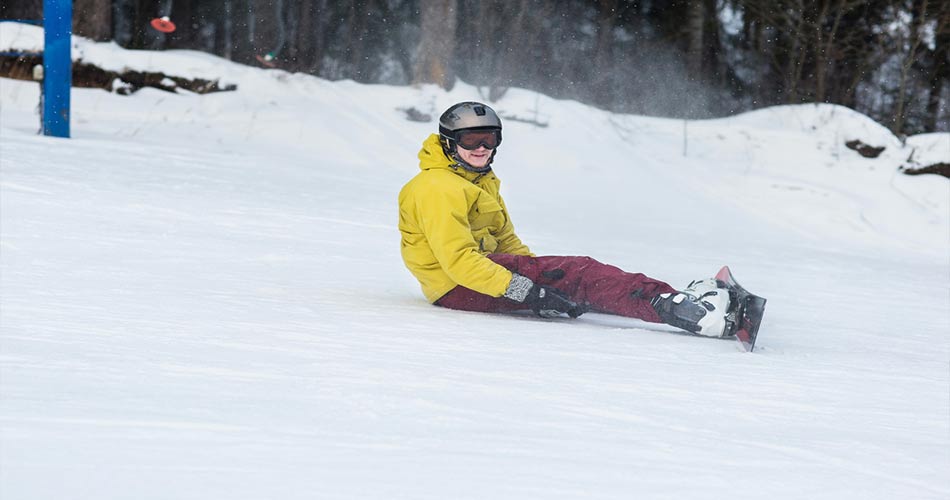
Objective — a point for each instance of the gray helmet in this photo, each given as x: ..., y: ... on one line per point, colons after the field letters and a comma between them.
x: 468, y: 115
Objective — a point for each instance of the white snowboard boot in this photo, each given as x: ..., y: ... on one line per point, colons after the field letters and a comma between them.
x: 701, y: 308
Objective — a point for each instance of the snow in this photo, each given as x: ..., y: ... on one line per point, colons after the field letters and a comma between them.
x: 110, y: 57
x: 202, y: 297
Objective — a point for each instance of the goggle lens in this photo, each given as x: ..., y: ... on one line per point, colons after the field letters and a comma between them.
x: 472, y: 139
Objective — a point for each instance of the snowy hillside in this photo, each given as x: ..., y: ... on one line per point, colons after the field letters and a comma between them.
x: 202, y: 297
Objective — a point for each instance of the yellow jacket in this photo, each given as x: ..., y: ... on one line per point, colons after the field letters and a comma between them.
x: 450, y: 219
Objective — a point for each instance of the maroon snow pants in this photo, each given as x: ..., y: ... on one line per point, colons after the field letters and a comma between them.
x: 602, y: 287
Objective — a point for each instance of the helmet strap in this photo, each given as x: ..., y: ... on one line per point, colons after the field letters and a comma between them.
x: 450, y: 148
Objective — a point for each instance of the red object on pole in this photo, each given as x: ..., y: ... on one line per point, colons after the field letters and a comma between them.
x: 266, y: 60
x: 163, y: 24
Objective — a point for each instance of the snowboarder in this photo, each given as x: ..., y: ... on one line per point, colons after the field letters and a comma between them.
x: 459, y: 242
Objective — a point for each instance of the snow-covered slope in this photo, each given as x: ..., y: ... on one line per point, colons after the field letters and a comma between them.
x: 202, y: 297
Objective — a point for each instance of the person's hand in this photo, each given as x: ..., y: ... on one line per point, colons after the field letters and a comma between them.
x: 550, y: 302
x: 545, y: 301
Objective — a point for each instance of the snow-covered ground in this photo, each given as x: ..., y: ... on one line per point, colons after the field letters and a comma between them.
x: 202, y: 297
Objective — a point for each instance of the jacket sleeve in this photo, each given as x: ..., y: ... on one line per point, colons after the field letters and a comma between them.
x: 444, y: 221
x: 508, y: 241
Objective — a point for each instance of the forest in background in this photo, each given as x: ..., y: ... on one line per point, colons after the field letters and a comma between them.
x: 889, y: 59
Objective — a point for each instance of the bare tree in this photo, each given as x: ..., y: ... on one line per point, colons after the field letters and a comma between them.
x: 31, y: 10
x: 826, y: 40
x: 810, y: 42
x: 93, y: 19
x: 695, y: 24
x: 602, y: 61
x: 940, y: 72
x: 306, y: 53
x: 919, y: 13
x: 438, y: 21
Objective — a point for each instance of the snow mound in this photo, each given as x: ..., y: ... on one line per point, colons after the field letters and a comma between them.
x: 829, y: 120
x: 929, y: 149
x: 110, y: 57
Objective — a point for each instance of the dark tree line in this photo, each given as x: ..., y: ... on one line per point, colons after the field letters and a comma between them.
x: 889, y: 59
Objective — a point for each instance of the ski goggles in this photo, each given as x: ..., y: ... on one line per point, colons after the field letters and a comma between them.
x: 472, y: 139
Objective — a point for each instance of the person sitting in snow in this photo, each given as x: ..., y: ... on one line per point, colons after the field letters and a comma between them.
x: 459, y: 242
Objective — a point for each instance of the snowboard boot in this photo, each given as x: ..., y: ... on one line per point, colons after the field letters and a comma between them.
x: 701, y: 308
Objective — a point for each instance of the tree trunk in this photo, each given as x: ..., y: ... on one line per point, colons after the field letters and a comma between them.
x: 933, y: 103
x: 695, y: 23
x: 827, y: 51
x: 31, y: 10
x: 188, y: 24
x: 823, y: 51
x: 900, y: 111
x: 512, y: 28
x: 267, y: 27
x: 242, y: 46
x: 140, y: 19
x: 436, y: 44
x: 941, y: 69
x: 356, y: 40
x: 93, y: 19
x: 224, y: 35
x: 799, y: 54
x: 301, y: 48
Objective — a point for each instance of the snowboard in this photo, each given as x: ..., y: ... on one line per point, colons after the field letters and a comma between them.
x: 745, y: 315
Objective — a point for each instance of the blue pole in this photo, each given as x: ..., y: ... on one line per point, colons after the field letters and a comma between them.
x: 57, y: 66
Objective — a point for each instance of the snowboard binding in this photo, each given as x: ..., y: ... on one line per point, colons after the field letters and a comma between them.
x: 701, y: 308
x: 716, y: 307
